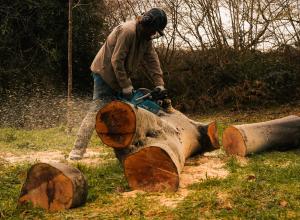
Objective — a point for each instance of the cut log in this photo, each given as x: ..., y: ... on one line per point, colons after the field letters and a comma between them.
x: 278, y: 134
x: 54, y: 186
x: 152, y: 148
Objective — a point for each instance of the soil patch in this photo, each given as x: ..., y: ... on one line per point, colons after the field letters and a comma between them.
x: 91, y: 157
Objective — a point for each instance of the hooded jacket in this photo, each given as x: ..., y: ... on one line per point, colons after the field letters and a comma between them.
x: 121, y: 55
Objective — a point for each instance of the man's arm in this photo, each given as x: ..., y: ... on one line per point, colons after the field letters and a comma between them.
x: 118, y: 58
x: 152, y: 64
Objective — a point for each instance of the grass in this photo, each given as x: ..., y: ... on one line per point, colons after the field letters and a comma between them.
x: 106, y: 183
x: 19, y: 141
x: 267, y: 187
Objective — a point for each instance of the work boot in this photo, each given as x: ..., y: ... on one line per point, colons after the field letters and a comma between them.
x: 76, y: 154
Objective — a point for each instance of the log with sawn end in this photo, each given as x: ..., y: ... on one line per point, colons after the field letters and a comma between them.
x: 54, y: 186
x: 153, y: 148
x: 279, y: 134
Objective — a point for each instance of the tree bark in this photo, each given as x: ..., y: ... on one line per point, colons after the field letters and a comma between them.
x: 279, y: 134
x: 152, y: 148
x: 54, y: 186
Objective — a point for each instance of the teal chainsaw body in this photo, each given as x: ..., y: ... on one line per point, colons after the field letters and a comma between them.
x: 143, y: 98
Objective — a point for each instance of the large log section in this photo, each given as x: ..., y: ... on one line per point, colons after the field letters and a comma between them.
x: 54, y: 186
x: 279, y: 134
x: 152, y: 148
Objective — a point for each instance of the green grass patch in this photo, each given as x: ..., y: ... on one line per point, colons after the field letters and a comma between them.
x: 11, y: 183
x: 267, y: 188
x: 105, y: 185
x: 20, y: 140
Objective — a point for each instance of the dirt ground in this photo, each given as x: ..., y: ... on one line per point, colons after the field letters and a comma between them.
x: 91, y: 157
x: 200, y: 167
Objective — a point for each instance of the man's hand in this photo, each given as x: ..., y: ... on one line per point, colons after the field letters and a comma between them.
x: 159, y: 92
x: 159, y: 88
x: 127, y: 92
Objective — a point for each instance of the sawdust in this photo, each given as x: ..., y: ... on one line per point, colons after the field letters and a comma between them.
x: 91, y: 157
x: 223, y: 201
x: 243, y: 161
x: 133, y: 193
x: 171, y: 201
x: 203, y: 168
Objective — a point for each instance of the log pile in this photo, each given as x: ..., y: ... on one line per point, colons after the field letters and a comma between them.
x: 153, y: 148
x: 54, y: 186
x: 277, y: 134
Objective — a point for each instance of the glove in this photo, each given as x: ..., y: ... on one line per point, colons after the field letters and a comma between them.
x: 127, y: 92
x: 160, y: 93
x: 159, y: 88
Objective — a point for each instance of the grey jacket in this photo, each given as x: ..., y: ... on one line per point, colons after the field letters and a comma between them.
x: 121, y: 54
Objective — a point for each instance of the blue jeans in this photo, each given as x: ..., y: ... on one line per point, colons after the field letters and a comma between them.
x: 102, y: 94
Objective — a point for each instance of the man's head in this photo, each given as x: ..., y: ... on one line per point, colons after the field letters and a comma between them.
x: 153, y: 21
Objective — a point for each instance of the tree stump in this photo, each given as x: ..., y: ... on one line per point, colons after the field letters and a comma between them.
x: 54, y: 186
x: 152, y: 148
x: 279, y: 134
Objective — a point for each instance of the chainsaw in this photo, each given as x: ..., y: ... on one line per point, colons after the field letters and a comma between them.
x: 153, y: 101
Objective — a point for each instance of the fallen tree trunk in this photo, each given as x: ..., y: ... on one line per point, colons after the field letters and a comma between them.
x: 54, y: 186
x: 279, y: 134
x: 152, y: 148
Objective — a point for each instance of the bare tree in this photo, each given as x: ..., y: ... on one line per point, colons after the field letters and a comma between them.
x: 70, y: 75
x: 202, y: 24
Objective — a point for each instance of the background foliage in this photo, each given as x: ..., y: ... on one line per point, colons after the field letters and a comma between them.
x: 207, y: 62
x: 33, y: 58
x: 238, y: 79
x: 34, y: 43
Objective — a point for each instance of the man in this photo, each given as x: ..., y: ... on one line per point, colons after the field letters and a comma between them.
x: 128, y: 45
